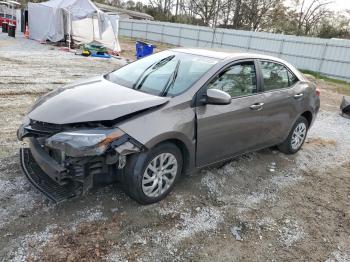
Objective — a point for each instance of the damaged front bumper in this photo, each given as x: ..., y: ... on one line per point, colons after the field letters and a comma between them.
x: 41, y: 181
x: 60, y: 177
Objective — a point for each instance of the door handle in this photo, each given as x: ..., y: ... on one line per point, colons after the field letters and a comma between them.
x: 257, y: 106
x: 298, y: 95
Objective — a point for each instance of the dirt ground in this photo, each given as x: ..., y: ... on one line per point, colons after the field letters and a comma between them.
x: 262, y: 206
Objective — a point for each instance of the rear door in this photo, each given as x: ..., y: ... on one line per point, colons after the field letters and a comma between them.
x: 227, y: 130
x: 282, y: 98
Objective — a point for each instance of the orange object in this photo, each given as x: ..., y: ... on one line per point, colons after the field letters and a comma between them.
x: 26, y: 32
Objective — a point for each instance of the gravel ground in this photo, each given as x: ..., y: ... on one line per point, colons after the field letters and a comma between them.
x: 260, y: 206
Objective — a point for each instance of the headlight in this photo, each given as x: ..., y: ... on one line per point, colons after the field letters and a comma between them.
x: 90, y: 142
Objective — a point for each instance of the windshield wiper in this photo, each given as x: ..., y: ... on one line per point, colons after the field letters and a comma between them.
x: 155, y: 67
x: 171, y: 81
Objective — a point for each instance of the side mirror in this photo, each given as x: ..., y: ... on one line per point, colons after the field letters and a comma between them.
x: 218, y: 97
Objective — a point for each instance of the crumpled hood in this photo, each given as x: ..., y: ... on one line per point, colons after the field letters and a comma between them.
x: 95, y: 99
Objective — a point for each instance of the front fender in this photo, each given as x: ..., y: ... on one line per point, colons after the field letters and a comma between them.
x: 172, y: 122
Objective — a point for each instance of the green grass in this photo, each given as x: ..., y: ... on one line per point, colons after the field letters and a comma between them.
x: 342, y: 86
x: 326, y: 78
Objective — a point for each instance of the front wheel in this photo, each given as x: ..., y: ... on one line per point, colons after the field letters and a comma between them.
x: 296, y: 137
x: 151, y: 175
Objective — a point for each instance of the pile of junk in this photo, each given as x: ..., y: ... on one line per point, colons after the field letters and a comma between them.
x: 93, y: 49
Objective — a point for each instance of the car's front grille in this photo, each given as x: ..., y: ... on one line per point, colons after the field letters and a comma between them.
x: 92, y: 167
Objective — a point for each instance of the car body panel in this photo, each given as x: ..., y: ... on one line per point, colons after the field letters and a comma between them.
x: 146, y: 127
x: 94, y: 100
x: 279, y: 112
x: 226, y: 130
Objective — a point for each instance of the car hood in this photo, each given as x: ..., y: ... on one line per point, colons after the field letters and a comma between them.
x: 95, y: 99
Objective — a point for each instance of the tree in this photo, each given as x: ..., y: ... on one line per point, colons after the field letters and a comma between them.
x: 163, y: 7
x: 310, y: 14
x: 205, y: 9
x: 257, y: 13
x: 303, y: 17
x: 336, y: 27
x: 130, y: 4
x: 139, y: 7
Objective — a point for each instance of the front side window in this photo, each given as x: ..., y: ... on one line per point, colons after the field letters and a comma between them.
x: 237, y: 80
x: 166, y: 73
x: 276, y: 76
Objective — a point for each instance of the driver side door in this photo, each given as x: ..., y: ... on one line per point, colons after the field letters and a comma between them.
x: 224, y: 131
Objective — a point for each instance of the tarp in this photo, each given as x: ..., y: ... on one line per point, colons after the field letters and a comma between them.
x: 54, y: 19
x: 81, y: 31
x: 4, y: 9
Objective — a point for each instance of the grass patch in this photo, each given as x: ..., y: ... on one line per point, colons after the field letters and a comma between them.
x: 128, y: 46
x: 342, y: 87
x: 326, y: 78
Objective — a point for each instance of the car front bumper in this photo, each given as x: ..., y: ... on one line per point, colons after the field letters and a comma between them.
x: 42, y: 181
x: 61, y: 180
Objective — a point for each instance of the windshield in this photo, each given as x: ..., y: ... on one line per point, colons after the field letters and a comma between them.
x: 164, y: 74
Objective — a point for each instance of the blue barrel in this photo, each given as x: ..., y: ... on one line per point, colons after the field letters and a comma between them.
x: 143, y: 49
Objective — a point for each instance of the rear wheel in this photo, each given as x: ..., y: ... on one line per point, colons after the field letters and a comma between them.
x: 296, y: 137
x: 151, y: 175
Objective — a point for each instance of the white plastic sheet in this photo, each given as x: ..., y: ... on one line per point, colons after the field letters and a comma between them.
x: 87, y: 30
x: 54, y: 19
x: 45, y: 23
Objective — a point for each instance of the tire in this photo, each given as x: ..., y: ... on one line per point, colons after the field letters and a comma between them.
x: 139, y: 168
x: 291, y: 144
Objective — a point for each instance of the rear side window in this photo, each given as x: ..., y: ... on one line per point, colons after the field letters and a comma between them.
x: 292, y: 78
x: 236, y: 80
x: 276, y: 76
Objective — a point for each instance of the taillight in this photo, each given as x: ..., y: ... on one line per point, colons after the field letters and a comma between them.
x: 318, y: 91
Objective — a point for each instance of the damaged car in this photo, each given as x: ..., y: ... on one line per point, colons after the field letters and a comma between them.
x: 167, y: 114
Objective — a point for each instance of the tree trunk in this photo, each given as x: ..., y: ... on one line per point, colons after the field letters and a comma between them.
x: 237, y: 17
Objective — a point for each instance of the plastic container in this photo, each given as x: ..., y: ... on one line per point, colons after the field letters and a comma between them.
x: 4, y: 27
x: 143, y: 49
x: 12, y: 30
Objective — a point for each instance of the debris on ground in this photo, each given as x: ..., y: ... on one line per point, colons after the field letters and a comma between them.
x: 236, y: 232
x: 272, y: 167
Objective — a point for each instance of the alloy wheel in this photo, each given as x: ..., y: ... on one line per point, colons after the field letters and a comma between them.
x: 159, y: 175
x: 298, y: 136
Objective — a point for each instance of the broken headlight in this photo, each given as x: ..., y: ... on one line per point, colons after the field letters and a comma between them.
x: 90, y: 142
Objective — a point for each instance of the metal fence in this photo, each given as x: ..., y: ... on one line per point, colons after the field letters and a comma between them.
x: 327, y: 56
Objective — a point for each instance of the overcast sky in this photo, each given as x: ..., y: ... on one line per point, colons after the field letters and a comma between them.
x: 340, y: 5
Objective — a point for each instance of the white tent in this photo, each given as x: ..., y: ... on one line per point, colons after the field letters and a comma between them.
x: 54, y: 19
x: 4, y: 8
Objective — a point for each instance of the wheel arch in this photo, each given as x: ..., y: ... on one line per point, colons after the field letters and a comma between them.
x: 186, y: 147
x: 308, y: 116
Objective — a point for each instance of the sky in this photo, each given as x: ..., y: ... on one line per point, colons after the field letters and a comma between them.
x: 335, y: 5
x: 340, y: 5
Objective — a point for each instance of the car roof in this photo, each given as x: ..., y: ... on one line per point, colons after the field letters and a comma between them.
x: 225, y: 54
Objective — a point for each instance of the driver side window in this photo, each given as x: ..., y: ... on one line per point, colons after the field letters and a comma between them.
x: 236, y: 80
